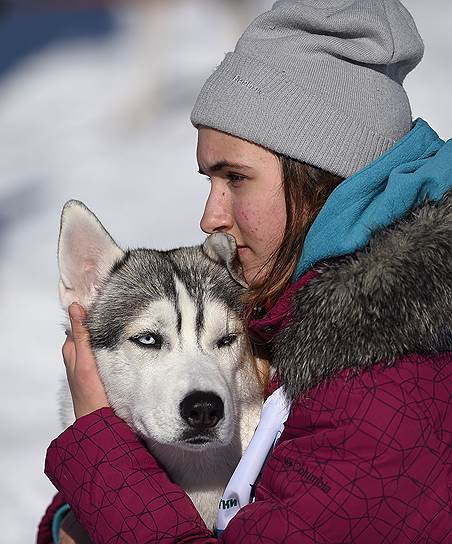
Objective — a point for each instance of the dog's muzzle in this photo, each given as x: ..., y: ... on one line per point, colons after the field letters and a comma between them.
x: 202, y: 411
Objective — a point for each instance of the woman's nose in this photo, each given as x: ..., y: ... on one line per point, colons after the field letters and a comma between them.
x: 217, y: 216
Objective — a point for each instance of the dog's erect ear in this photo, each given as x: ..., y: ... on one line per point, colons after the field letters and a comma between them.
x: 222, y: 248
x: 86, y: 253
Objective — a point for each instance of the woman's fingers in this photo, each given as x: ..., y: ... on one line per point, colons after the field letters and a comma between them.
x: 69, y: 354
x: 87, y: 390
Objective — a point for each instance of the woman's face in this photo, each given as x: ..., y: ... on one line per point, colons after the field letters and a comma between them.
x: 246, y: 198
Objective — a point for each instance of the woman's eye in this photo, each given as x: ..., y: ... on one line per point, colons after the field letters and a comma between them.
x: 235, y: 178
x: 227, y: 340
x: 148, y: 340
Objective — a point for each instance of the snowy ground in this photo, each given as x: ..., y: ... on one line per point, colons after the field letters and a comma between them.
x: 107, y: 121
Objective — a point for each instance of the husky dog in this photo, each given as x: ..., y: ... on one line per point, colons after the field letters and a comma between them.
x: 166, y: 332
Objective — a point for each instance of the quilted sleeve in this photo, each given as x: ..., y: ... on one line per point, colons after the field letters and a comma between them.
x: 115, y: 487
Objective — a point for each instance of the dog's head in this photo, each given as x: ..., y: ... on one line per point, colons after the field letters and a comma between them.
x: 165, y: 329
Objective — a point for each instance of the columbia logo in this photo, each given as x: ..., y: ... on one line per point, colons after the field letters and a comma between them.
x: 225, y: 505
x: 318, y: 481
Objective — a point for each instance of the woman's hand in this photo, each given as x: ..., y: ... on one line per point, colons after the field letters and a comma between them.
x: 71, y: 532
x: 88, y: 393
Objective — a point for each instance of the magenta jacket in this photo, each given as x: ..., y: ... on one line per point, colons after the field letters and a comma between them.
x: 363, y: 461
x: 363, y: 346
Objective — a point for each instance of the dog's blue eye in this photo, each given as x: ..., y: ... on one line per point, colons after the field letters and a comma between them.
x: 148, y: 340
x: 227, y: 340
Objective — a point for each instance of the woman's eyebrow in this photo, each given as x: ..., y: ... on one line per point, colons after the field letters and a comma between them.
x: 224, y: 164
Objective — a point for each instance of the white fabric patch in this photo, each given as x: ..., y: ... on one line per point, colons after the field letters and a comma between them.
x: 238, y: 491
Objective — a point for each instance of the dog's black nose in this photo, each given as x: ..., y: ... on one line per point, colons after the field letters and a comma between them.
x: 202, y: 410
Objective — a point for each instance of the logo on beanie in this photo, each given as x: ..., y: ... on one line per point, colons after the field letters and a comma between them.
x: 247, y: 84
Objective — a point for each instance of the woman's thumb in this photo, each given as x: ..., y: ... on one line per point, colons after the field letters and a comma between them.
x: 80, y: 333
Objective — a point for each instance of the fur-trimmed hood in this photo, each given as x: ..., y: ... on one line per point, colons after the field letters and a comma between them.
x: 390, y: 299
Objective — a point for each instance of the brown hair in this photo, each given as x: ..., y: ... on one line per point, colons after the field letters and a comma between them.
x: 306, y: 189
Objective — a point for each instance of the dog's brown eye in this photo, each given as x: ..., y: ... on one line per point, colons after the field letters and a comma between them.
x: 148, y: 340
x: 227, y: 340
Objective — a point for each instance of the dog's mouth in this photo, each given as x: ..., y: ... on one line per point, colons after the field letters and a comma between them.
x: 197, y: 439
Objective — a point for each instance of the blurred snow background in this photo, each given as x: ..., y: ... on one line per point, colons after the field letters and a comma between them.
x: 94, y: 105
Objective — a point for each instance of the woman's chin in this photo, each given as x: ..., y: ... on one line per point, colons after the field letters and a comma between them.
x: 254, y: 277
x: 254, y: 272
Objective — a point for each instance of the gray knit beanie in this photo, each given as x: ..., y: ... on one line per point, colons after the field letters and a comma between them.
x: 319, y: 81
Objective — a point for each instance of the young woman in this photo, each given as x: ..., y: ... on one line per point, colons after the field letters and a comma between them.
x: 341, y: 209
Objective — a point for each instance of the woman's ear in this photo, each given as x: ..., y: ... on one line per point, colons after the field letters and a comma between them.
x: 86, y: 254
x: 222, y: 249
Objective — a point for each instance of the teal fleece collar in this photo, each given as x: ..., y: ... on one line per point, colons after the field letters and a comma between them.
x: 418, y: 167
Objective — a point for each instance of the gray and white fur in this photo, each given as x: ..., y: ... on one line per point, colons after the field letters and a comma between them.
x: 168, y: 339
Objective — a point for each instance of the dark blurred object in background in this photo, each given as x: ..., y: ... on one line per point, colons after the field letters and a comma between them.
x: 28, y: 27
